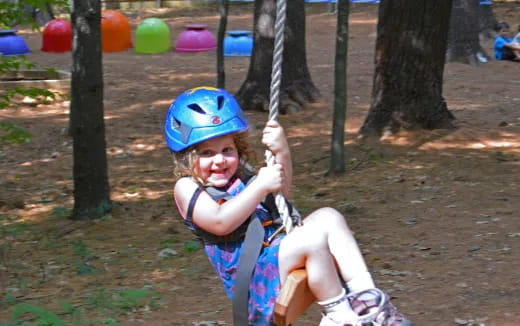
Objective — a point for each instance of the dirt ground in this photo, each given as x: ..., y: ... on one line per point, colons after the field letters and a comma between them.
x: 435, y: 213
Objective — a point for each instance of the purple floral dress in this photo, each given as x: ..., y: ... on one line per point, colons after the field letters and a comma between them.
x: 265, y: 282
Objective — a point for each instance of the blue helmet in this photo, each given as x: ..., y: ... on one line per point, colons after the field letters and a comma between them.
x: 200, y: 114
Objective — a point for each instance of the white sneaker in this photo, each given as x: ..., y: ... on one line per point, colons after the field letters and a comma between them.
x: 374, y: 306
x: 481, y: 57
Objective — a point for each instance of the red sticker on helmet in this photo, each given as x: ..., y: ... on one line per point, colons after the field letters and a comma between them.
x: 215, y: 120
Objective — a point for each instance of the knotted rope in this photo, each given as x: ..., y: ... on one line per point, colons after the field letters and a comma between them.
x: 274, y: 103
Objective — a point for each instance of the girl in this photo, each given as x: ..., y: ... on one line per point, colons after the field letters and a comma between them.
x: 506, y: 48
x: 206, y: 131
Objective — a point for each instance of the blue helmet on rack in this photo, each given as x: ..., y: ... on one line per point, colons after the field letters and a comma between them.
x: 200, y: 114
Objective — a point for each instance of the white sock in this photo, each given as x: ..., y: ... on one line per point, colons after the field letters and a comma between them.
x: 361, y: 282
x: 338, y: 308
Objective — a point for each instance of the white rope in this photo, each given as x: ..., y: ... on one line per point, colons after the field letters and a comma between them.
x: 274, y: 103
x: 276, y: 68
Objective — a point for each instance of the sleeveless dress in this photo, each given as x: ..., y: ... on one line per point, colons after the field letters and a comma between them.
x: 265, y: 282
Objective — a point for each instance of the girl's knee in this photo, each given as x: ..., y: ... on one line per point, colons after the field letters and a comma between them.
x: 328, y: 217
x: 329, y: 211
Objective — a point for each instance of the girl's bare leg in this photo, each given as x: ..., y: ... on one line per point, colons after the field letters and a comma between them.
x: 323, y: 241
x: 304, y: 248
x: 325, y: 246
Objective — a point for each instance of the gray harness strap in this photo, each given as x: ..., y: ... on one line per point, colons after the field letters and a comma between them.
x: 250, y: 251
x: 251, y: 248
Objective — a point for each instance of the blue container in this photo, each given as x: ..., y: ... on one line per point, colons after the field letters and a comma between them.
x: 12, y: 44
x: 238, y: 43
x: 486, y: 2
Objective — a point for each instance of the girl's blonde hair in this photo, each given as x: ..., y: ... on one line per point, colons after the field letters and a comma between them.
x: 184, y: 161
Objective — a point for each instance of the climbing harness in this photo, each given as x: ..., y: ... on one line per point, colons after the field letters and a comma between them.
x: 220, y: 196
x: 252, y: 232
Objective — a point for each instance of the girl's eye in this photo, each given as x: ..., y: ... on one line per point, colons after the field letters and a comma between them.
x: 228, y: 150
x: 205, y: 153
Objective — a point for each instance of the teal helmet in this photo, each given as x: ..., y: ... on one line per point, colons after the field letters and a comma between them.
x: 200, y: 114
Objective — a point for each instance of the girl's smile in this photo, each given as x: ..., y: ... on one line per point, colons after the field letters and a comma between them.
x: 218, y: 160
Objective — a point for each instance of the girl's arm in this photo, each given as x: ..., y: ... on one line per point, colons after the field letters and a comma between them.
x: 512, y: 46
x: 224, y: 219
x: 275, y: 141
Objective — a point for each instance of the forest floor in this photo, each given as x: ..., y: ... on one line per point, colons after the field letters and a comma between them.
x: 435, y: 212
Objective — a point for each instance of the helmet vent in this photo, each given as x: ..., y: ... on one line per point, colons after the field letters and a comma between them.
x: 220, y: 100
x: 195, y: 107
x: 176, y: 123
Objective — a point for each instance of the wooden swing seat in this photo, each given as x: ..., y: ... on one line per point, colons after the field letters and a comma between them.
x: 294, y: 298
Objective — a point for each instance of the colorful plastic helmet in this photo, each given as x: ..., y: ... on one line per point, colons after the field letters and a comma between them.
x: 200, y: 114
x: 57, y: 36
x: 152, y: 36
x: 12, y: 44
x: 115, y: 31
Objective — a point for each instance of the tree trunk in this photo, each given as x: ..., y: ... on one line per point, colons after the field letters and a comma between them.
x: 297, y: 87
x: 41, y: 13
x: 463, y: 35
x: 221, y: 72
x: 87, y: 127
x: 487, y: 21
x: 337, y: 157
x: 409, y: 66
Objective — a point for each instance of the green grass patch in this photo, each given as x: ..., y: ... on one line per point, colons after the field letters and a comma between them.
x: 110, y: 304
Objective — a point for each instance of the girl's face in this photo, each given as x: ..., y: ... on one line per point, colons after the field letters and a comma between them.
x: 505, y: 32
x: 218, y: 160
